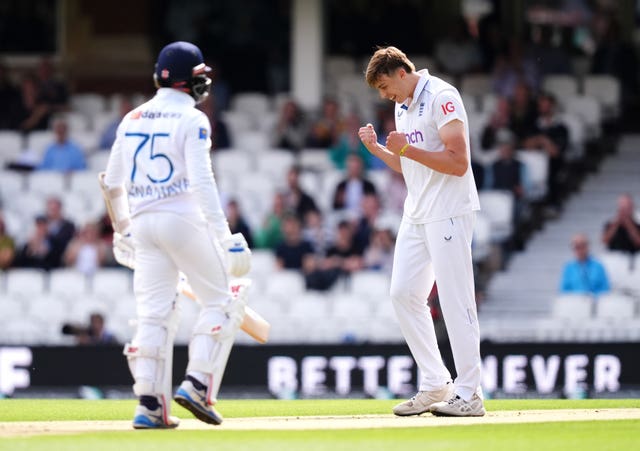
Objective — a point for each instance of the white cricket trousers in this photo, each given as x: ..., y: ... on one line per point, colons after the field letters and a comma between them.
x: 439, y: 251
x: 166, y: 243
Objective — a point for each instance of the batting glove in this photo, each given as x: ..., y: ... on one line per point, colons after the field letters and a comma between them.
x: 123, y: 249
x: 234, y: 310
x: 238, y: 255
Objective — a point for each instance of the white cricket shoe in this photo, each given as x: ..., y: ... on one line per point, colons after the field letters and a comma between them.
x: 153, y: 419
x: 458, y: 407
x: 195, y: 401
x: 423, y: 400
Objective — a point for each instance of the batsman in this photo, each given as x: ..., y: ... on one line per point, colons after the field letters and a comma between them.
x: 167, y: 218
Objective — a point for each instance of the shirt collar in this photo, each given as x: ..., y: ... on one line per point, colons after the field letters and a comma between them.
x: 175, y: 95
x: 422, y: 82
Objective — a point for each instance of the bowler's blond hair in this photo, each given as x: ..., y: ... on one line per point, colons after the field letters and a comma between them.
x: 385, y: 61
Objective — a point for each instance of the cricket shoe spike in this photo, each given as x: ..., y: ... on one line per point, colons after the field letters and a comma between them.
x: 195, y: 401
x: 145, y: 418
x: 423, y: 400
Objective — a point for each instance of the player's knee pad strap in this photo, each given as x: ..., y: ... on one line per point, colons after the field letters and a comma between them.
x: 162, y: 354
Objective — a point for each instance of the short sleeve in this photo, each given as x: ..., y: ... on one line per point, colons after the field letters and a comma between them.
x: 447, y: 106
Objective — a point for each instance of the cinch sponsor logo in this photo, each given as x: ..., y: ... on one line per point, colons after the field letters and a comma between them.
x: 414, y: 137
x: 154, y: 115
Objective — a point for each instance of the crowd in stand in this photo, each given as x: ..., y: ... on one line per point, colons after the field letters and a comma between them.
x: 355, y: 233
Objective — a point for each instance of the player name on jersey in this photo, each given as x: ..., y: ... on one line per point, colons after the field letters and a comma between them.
x: 158, y: 191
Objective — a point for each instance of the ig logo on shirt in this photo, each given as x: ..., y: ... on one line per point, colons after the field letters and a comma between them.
x: 447, y: 108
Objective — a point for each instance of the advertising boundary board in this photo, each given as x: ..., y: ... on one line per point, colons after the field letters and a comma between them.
x: 514, y: 369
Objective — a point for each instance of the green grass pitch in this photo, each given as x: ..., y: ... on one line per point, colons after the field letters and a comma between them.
x: 565, y: 436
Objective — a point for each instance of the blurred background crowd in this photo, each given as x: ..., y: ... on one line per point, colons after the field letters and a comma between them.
x: 551, y: 91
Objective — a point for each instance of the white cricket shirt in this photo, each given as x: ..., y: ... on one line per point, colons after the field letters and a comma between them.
x: 431, y: 195
x: 161, y: 155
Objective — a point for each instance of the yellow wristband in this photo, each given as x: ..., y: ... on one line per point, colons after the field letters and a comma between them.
x: 403, y: 150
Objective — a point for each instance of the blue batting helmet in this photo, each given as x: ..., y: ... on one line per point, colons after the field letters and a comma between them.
x: 181, y: 66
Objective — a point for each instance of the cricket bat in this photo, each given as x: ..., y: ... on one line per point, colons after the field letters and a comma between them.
x: 253, y: 323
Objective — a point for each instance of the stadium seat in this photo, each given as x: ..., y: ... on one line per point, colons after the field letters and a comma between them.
x: 286, y: 286
x: 24, y: 331
x: 561, y: 86
x: 371, y: 285
x: 76, y: 121
x: 589, y: 110
x: 615, y: 307
x: 37, y: 141
x: 111, y: 283
x: 97, y: 161
x: 68, y: 283
x: 252, y: 142
x: 315, y: 159
x: 498, y: 205
x: 251, y: 103
x: 606, y: 89
x: 481, y: 244
x: 475, y: 84
x: 86, y: 183
x: 537, y: 164
x: 572, y: 307
x: 234, y: 163
x: 275, y: 164
x: 11, y: 183
x: 618, y: 268
x: 25, y: 283
x: 47, y: 183
x: 11, y: 144
x: 87, y: 103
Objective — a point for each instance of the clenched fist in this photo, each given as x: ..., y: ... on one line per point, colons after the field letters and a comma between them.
x: 395, y: 141
x: 368, y: 135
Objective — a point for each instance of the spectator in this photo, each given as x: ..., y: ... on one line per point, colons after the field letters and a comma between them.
x: 499, y: 120
x: 523, y: 111
x: 294, y: 252
x: 94, y: 334
x: 7, y: 246
x: 379, y: 255
x: 29, y: 114
x: 9, y: 99
x: 295, y: 198
x: 457, y: 53
x: 52, y: 97
x: 349, y: 192
x: 613, y: 56
x: 551, y: 136
x: 343, y: 257
x: 325, y: 130
x: 366, y: 224
x: 63, y: 155
x: 237, y: 223
x: 346, y: 253
x: 395, y: 193
x: 348, y: 143
x: 291, y: 129
x: 478, y: 174
x: 270, y: 234
x: 86, y: 252
x: 37, y: 251
x: 511, y: 70
x: 60, y: 231
x: 317, y: 232
x: 108, y: 135
x: 622, y: 233
x: 585, y: 274
x: 507, y: 172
